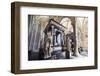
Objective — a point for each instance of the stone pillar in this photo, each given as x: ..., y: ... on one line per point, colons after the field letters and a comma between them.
x: 52, y: 38
x: 76, y: 52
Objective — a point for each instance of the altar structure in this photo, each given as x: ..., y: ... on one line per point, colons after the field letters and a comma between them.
x: 56, y: 44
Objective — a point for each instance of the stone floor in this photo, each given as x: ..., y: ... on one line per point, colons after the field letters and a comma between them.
x: 54, y: 55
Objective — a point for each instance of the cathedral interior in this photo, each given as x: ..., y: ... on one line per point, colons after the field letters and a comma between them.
x: 57, y: 37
